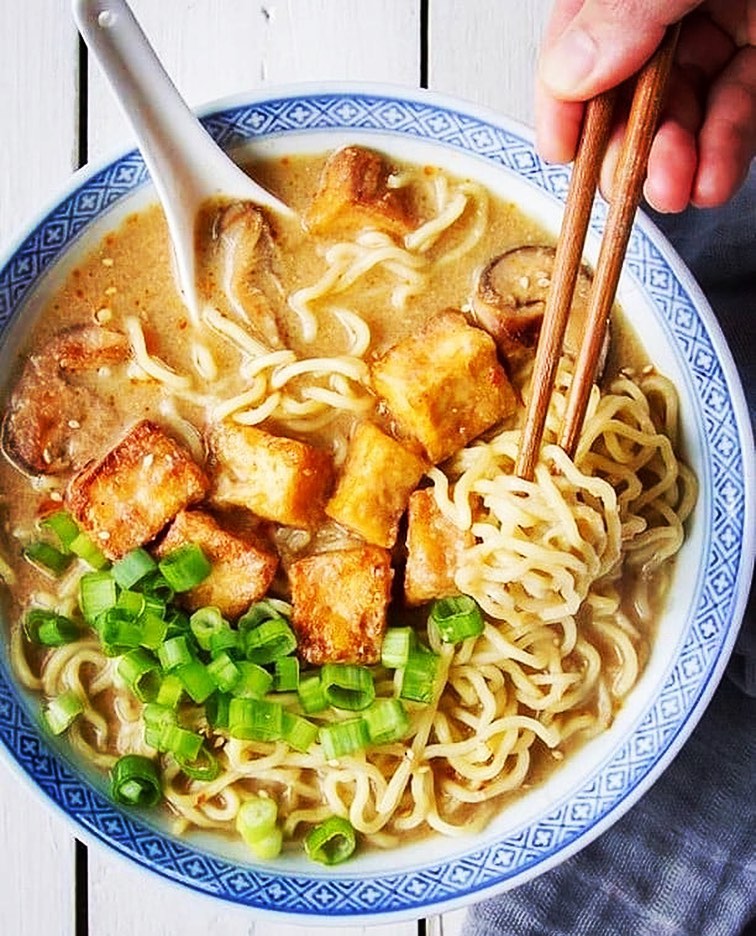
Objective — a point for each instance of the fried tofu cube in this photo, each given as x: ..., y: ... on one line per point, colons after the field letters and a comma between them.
x: 444, y: 385
x: 126, y: 499
x: 276, y: 478
x: 434, y: 550
x: 241, y: 572
x: 340, y: 600
x: 354, y: 192
x: 378, y: 476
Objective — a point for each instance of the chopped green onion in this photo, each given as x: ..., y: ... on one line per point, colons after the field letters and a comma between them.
x: 134, y: 781
x: 182, y: 743
x: 254, y: 681
x: 154, y: 629
x: 345, y: 737
x: 386, y: 721
x: 83, y: 547
x: 225, y: 640
x: 204, y: 623
x: 347, y: 686
x: 456, y: 618
x: 175, y: 652
x: 196, y: 680
x: 157, y: 716
x: 47, y: 557
x: 255, y: 719
x: 155, y: 585
x: 133, y: 567
x: 420, y: 676
x: 257, y: 613
x: 311, y: 695
x: 50, y: 629
x: 269, y: 641
x: 63, y: 525
x: 170, y: 691
x: 224, y: 672
x: 331, y: 842
x: 256, y: 824
x: 286, y: 674
x: 132, y: 603
x: 398, y: 643
x: 298, y: 732
x: 216, y: 709
x: 185, y: 567
x: 97, y: 593
x: 141, y: 673
x: 118, y: 631
x: 62, y: 711
x: 203, y: 767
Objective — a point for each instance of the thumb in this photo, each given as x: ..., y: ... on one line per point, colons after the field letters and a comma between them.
x: 605, y: 43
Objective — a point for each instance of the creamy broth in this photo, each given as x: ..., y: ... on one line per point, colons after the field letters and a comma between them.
x: 514, y: 700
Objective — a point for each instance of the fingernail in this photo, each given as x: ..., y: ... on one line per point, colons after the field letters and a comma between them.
x: 566, y: 65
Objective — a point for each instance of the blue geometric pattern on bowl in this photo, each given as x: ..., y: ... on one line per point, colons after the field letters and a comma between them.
x: 515, y: 857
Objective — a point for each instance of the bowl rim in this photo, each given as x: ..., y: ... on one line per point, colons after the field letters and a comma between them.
x: 448, y: 103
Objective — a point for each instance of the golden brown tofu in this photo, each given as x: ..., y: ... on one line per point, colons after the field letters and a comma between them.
x: 354, y: 192
x: 242, y: 570
x: 444, y: 385
x: 276, y: 478
x: 340, y: 600
x: 378, y: 476
x: 125, y: 499
x: 434, y: 548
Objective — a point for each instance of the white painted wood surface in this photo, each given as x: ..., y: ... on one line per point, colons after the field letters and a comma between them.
x: 482, y: 50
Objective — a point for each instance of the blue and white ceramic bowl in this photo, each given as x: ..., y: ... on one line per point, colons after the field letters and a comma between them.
x: 697, y: 631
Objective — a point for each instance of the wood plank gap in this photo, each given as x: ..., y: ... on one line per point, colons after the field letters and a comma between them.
x: 81, y: 885
x: 424, y: 39
x: 82, y: 115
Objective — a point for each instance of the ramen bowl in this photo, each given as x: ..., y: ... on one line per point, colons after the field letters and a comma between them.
x: 702, y: 612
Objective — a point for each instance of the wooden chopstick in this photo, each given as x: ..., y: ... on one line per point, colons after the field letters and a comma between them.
x: 626, y: 194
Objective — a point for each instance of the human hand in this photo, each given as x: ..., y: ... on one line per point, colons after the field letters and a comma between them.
x: 706, y: 136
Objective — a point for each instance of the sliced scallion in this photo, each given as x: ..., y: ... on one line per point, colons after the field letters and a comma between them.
x: 398, y: 642
x: 456, y: 618
x: 224, y: 672
x: 216, y: 708
x: 134, y: 781
x: 62, y: 711
x: 269, y: 640
x: 134, y: 566
x: 141, y: 673
x: 47, y: 558
x: 203, y: 767
x: 185, y: 567
x: 182, y: 743
x: 50, y: 629
x: 254, y: 681
x: 298, y: 732
x: 63, y: 525
x: 83, y: 547
x: 331, y: 842
x: 386, y: 721
x: 347, y: 686
x: 196, y: 680
x: 175, y: 652
x: 255, y: 719
x: 170, y: 691
x: 420, y: 675
x: 97, y: 593
x: 204, y: 623
x: 286, y: 674
x: 311, y: 695
x: 341, y: 738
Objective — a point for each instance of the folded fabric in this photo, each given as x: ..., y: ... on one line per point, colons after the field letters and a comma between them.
x: 682, y: 861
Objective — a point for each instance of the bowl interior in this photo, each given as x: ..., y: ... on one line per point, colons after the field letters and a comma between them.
x: 695, y: 632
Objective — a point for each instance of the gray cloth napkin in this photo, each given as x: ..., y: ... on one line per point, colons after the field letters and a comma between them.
x: 682, y: 861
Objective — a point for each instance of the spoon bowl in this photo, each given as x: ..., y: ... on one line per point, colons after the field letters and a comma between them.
x: 186, y: 165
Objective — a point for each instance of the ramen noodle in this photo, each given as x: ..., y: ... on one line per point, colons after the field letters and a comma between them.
x: 355, y: 608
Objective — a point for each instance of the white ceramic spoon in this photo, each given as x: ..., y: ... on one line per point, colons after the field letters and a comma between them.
x: 185, y: 163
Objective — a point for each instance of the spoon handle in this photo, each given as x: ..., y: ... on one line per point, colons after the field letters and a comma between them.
x: 186, y: 165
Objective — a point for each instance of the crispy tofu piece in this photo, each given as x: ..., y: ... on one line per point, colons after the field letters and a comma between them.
x: 339, y: 602
x: 354, y: 192
x: 444, y: 385
x: 242, y: 570
x: 434, y: 548
x: 276, y: 478
x: 378, y: 476
x: 125, y: 499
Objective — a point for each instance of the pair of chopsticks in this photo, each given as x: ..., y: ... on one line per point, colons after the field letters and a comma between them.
x: 627, y: 190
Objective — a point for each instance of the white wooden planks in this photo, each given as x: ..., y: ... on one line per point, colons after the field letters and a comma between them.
x: 38, y: 152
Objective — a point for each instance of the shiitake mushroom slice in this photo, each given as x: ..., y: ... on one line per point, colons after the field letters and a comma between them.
x: 510, y: 300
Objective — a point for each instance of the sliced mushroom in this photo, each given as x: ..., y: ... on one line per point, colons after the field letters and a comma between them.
x: 245, y: 254
x: 510, y: 300
x: 54, y: 424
